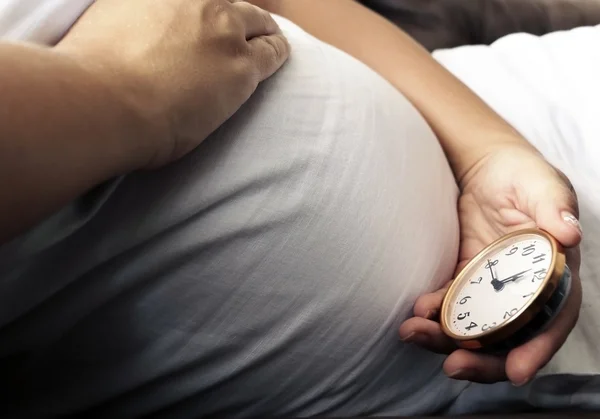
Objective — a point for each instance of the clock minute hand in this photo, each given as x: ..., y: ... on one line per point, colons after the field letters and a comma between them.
x: 514, y: 277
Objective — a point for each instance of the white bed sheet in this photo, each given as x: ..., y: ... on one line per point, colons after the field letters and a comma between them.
x: 549, y: 89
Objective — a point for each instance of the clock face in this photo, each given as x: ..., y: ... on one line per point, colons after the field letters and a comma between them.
x: 500, y: 286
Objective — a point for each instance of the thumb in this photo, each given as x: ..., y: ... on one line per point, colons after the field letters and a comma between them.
x: 557, y: 213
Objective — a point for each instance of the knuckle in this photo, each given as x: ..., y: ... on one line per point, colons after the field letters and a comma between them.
x: 567, y: 182
x: 265, y: 17
x: 568, y: 192
x: 225, y: 22
x: 219, y: 8
x: 276, y: 51
x: 256, y: 14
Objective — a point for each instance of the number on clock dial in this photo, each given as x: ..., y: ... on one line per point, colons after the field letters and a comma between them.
x: 482, y: 304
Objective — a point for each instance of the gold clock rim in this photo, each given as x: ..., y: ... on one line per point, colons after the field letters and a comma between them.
x: 542, y: 295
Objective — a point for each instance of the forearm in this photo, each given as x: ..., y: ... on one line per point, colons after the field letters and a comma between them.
x: 465, y: 125
x: 62, y: 131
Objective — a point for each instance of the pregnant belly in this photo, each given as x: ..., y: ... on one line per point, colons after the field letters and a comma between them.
x: 264, y: 274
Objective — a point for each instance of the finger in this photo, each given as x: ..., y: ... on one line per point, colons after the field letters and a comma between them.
x: 557, y: 213
x: 268, y: 53
x: 573, y: 255
x: 461, y: 265
x: 429, y: 305
x: 525, y: 361
x: 427, y: 334
x: 475, y: 367
x: 258, y: 22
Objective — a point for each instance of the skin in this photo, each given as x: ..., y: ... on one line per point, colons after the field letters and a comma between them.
x: 496, y: 201
x: 108, y: 100
x: 488, y: 158
x: 134, y: 97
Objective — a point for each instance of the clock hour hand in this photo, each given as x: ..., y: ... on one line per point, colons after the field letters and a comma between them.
x: 514, y: 277
x: 498, y: 285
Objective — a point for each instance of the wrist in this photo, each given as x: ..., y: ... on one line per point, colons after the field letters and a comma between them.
x: 137, y: 126
x: 466, y: 164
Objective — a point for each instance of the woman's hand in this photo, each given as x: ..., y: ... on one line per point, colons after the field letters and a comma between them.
x: 510, y: 188
x: 185, y: 65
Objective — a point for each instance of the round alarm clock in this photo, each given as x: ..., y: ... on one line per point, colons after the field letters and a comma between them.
x: 508, y: 293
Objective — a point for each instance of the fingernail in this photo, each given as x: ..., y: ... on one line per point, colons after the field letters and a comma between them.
x: 462, y: 374
x: 573, y: 221
x: 408, y: 338
x: 521, y: 383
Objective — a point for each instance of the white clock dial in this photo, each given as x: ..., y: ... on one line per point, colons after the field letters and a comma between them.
x: 502, y: 286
